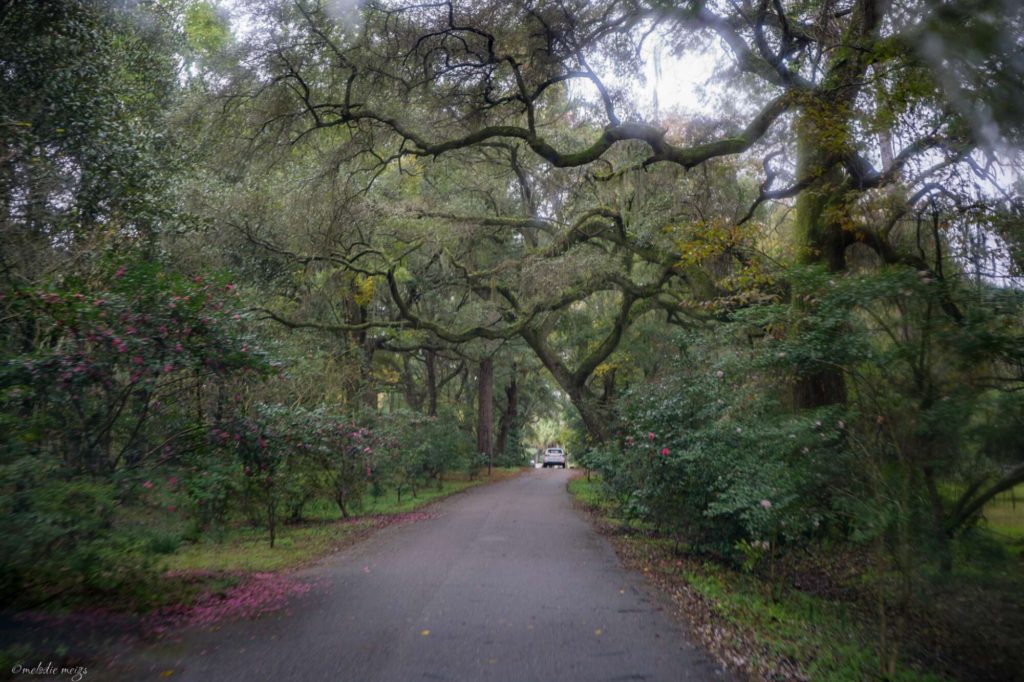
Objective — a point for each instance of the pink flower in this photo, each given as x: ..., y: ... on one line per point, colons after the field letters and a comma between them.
x: 120, y: 272
x: 137, y: 360
x: 664, y: 452
x: 173, y: 480
x: 168, y: 368
x: 170, y: 508
x: 148, y: 485
x: 650, y: 435
x: 766, y: 504
x: 178, y: 348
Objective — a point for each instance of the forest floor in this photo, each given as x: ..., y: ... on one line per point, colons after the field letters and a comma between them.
x: 824, y: 624
x: 233, y: 575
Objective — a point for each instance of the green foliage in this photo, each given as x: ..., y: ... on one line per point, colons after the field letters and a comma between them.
x: 99, y: 390
x: 417, y: 450
x: 59, y: 536
x: 86, y: 90
x: 206, y: 30
x: 712, y: 457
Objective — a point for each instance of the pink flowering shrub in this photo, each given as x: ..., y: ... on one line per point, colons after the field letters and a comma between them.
x: 704, y: 459
x: 288, y: 455
x: 97, y: 388
x: 111, y: 381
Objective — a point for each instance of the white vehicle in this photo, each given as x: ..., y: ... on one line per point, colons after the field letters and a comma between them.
x: 554, y: 457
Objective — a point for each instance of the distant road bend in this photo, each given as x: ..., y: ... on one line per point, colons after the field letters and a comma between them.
x: 508, y: 583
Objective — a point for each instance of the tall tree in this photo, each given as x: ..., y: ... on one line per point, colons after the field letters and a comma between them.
x: 825, y: 79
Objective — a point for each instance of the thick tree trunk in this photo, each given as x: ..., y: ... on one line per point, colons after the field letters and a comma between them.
x: 821, y: 241
x: 413, y: 396
x: 485, y: 411
x: 596, y: 417
x: 431, y: 383
x: 608, y: 383
x: 509, y: 416
x: 823, y: 135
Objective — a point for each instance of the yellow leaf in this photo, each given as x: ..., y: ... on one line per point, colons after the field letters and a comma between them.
x: 364, y: 290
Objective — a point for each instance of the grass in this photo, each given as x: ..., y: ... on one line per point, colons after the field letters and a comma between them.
x: 1004, y: 515
x: 825, y: 639
x: 799, y: 636
x: 247, y: 550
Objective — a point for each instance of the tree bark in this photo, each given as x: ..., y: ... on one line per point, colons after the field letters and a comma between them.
x: 485, y: 411
x: 595, y: 416
x: 822, y: 242
x: 823, y: 135
x: 431, y: 383
x: 509, y: 416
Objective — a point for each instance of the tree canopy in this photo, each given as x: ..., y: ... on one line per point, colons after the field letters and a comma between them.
x: 297, y: 250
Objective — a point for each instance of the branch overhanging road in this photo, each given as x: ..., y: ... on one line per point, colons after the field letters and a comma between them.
x: 506, y: 583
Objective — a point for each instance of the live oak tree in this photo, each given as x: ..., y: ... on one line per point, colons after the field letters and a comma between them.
x: 862, y: 127
x: 849, y: 113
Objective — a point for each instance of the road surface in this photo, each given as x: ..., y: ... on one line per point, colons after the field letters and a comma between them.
x: 506, y: 583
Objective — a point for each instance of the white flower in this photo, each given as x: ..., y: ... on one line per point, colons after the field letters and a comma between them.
x: 719, y: 374
x: 766, y: 504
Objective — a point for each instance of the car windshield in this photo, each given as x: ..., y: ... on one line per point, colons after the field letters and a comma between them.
x: 554, y: 452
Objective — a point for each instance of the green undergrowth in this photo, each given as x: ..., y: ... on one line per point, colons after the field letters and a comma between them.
x: 247, y: 550
x: 323, y: 530
x: 798, y: 636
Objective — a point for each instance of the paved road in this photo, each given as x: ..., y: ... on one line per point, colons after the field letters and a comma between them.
x: 507, y: 583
